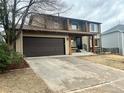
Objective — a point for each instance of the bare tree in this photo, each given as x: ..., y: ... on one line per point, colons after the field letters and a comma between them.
x: 14, y: 12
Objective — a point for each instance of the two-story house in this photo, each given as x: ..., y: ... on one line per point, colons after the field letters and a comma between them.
x: 54, y: 35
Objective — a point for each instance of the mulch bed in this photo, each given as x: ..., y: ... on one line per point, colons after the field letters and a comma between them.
x: 21, y: 65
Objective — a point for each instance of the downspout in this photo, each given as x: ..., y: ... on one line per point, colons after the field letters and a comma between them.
x: 119, y: 42
x: 122, y: 43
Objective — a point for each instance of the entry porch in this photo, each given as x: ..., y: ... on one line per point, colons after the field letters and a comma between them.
x: 81, y: 43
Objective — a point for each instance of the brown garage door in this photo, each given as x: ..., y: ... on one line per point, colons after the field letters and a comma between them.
x: 37, y: 46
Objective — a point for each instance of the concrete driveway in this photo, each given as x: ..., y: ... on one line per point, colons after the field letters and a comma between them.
x: 73, y: 75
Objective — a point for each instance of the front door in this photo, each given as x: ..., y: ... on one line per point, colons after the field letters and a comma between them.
x: 79, y: 42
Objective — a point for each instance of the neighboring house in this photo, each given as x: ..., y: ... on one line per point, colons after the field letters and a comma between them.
x: 114, y: 38
x: 54, y: 35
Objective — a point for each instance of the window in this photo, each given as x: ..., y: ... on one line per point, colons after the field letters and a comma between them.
x: 96, y: 42
x: 74, y: 25
x: 93, y: 27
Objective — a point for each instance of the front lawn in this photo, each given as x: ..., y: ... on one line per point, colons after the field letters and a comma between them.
x: 22, y: 81
x: 115, y: 61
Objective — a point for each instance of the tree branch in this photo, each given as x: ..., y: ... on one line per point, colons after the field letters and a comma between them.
x: 23, y: 19
x: 21, y: 8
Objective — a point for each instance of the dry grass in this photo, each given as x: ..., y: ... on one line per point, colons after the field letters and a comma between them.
x: 22, y: 81
x: 115, y: 61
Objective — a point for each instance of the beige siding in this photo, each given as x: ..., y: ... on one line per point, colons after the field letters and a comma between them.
x: 19, y: 44
x: 48, y: 22
x: 85, y: 43
x: 38, y: 21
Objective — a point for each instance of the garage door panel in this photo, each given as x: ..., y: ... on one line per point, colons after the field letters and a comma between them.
x: 37, y: 46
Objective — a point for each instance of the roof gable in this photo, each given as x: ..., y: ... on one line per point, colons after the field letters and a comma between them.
x: 117, y: 28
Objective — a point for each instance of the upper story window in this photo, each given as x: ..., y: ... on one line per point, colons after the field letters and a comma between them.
x: 93, y: 27
x: 74, y: 26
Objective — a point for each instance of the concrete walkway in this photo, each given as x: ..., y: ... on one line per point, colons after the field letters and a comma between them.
x: 73, y: 75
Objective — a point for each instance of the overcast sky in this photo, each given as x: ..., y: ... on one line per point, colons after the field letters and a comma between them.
x: 108, y: 12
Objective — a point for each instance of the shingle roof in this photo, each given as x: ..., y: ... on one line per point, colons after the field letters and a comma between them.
x: 117, y: 28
